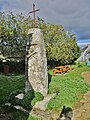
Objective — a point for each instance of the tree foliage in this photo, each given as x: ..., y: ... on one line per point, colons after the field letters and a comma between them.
x: 61, y: 46
x: 13, y: 34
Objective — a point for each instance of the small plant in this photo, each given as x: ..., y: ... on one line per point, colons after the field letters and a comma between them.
x: 38, y: 97
x: 79, y: 64
x: 33, y: 118
x: 27, y: 99
x: 29, y: 95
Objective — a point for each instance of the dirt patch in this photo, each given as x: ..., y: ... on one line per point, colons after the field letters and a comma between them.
x: 86, y: 76
x: 82, y: 111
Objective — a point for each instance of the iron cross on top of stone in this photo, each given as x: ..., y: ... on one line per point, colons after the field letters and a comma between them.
x: 34, y: 10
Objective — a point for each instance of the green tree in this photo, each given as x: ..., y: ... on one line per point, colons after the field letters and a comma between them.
x: 61, y: 46
x: 13, y: 34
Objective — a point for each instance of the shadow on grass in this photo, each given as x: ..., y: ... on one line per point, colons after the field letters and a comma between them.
x: 10, y: 113
x: 49, y: 78
x: 66, y: 114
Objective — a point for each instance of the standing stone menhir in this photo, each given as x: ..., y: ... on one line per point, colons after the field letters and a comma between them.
x: 37, y: 62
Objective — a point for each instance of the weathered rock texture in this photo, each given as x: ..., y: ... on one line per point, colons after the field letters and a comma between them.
x: 37, y: 62
x: 40, y: 109
x: 42, y: 105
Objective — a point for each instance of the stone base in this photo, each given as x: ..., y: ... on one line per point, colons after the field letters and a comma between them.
x: 40, y: 109
x: 42, y: 105
x: 45, y: 115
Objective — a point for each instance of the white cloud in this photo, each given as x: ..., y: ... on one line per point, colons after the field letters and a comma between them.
x: 74, y: 15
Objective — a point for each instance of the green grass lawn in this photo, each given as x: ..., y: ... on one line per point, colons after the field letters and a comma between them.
x: 9, y: 84
x: 68, y: 88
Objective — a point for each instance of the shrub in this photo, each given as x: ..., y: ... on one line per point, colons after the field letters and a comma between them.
x: 25, y: 102
x: 11, y: 97
x: 79, y: 64
x: 38, y: 97
x: 14, y: 67
x: 33, y: 118
x: 27, y: 99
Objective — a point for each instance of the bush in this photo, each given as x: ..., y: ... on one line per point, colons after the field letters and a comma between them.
x: 27, y: 99
x: 79, y: 64
x: 25, y: 102
x: 38, y: 97
x: 14, y: 67
x: 33, y: 118
x: 12, y: 98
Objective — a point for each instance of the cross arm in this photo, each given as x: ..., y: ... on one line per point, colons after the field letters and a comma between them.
x: 34, y: 11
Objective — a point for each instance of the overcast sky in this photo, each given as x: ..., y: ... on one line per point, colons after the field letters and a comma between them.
x: 74, y: 15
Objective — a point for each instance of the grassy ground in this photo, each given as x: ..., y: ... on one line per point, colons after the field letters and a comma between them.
x: 68, y: 87
x: 9, y: 84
